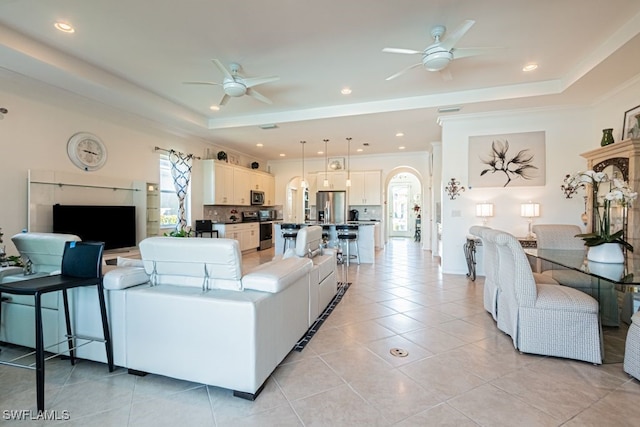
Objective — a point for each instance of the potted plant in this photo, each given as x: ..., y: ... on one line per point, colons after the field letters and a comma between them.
x: 604, y: 245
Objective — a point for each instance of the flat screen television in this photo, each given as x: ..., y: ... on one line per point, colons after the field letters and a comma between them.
x: 113, y: 225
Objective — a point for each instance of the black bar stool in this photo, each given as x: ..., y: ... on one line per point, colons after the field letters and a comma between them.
x: 289, y: 234
x: 81, y: 266
x: 348, y: 234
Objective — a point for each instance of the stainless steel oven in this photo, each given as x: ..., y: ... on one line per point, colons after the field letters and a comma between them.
x: 266, y: 235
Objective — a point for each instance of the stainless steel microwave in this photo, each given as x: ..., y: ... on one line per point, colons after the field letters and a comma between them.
x: 257, y: 198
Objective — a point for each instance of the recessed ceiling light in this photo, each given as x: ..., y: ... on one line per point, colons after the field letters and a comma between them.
x: 399, y: 134
x: 214, y: 108
x: 402, y: 147
x: 259, y: 145
x: 346, y: 91
x: 359, y: 150
x: 529, y: 67
x: 64, y: 27
x: 320, y: 152
x: 282, y: 154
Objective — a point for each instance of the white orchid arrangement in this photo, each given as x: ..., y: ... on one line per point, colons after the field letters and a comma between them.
x: 619, y: 194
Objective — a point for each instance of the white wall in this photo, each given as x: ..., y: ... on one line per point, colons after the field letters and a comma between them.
x: 569, y: 132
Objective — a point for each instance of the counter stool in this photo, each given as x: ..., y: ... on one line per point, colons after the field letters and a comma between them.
x: 289, y: 234
x: 348, y: 234
x: 81, y: 266
x: 326, y: 230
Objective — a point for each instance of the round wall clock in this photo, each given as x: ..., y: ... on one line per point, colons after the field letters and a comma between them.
x: 87, y: 151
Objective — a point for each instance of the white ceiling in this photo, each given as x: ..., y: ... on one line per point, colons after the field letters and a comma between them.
x: 134, y: 55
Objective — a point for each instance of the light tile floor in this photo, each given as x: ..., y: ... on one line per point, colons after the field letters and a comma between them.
x: 460, y: 369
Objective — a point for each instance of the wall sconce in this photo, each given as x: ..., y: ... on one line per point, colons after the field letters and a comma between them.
x: 530, y: 210
x: 453, y: 188
x: 484, y: 211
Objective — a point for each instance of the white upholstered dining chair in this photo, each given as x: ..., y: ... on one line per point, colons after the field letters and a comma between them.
x: 546, y: 319
x: 563, y: 237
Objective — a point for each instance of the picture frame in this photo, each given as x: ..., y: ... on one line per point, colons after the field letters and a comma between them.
x: 523, y: 162
x: 335, y: 163
x: 629, y: 121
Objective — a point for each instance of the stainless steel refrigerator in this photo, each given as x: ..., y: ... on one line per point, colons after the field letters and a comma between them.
x: 331, y: 206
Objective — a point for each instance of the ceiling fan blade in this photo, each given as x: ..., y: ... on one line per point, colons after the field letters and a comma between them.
x: 257, y: 95
x: 401, y: 72
x: 473, y: 51
x: 446, y: 75
x: 255, y: 81
x: 453, y: 37
x: 222, y: 69
x: 224, y: 99
x: 202, y: 83
x: 403, y: 51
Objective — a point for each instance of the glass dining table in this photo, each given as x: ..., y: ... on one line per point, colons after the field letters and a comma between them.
x: 616, y: 287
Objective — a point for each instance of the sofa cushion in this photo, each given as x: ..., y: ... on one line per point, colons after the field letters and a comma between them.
x: 125, y: 277
x: 275, y: 276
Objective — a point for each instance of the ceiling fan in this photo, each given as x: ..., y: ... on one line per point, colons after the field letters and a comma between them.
x: 438, y: 55
x: 235, y: 85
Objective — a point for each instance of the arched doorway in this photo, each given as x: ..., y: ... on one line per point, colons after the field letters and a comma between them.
x: 405, y: 205
x: 296, y: 207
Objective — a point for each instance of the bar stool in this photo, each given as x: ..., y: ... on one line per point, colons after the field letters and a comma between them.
x: 348, y: 234
x: 326, y: 230
x: 417, y: 235
x: 81, y: 266
x: 289, y: 234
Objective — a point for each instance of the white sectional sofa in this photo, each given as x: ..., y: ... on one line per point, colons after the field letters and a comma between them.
x: 43, y: 252
x: 188, y: 311
x: 199, y: 318
x: 323, y: 277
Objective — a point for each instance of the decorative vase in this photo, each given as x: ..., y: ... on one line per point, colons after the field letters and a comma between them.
x: 607, y: 137
x: 634, y: 132
x: 610, y: 253
x: 613, y: 271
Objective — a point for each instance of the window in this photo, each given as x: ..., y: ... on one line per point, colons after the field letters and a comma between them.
x: 169, y: 206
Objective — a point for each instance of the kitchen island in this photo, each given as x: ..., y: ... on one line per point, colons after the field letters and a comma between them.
x: 366, y: 238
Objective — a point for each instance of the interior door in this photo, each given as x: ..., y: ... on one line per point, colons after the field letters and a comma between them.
x: 399, y: 211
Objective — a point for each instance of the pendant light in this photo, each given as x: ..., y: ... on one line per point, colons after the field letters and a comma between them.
x: 303, y: 183
x: 326, y: 163
x: 348, y: 183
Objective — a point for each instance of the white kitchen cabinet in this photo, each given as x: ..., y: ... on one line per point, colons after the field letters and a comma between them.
x: 365, y: 188
x: 241, y: 186
x: 265, y: 182
x: 247, y: 234
x: 337, y: 181
x: 218, y: 183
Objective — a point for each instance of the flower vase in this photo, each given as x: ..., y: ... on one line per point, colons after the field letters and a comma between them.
x: 607, y: 137
x: 610, y: 253
x: 613, y: 271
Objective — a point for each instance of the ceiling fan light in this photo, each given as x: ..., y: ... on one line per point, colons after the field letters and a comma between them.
x: 233, y: 88
x: 436, y: 61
